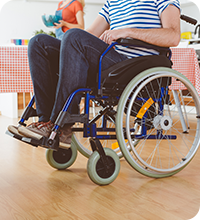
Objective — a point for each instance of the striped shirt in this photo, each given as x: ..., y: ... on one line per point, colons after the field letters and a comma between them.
x: 144, y: 14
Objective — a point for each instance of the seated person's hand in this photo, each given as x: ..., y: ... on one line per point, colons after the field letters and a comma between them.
x: 112, y: 35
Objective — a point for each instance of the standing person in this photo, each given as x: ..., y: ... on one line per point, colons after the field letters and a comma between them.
x: 70, y: 15
x: 76, y: 56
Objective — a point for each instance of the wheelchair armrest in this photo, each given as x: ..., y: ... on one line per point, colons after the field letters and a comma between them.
x: 134, y: 43
x: 139, y: 43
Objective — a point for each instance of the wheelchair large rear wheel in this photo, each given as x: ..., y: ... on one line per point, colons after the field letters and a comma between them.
x: 83, y: 144
x: 164, y: 106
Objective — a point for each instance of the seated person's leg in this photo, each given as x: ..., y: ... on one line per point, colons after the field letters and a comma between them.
x: 43, y: 56
x: 79, y: 57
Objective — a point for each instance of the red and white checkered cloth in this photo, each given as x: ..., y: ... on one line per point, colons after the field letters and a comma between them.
x: 15, y: 74
x: 14, y: 69
x: 185, y: 61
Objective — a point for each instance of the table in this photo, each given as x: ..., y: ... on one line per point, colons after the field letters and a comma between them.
x: 14, y: 70
x: 185, y: 61
x: 15, y: 74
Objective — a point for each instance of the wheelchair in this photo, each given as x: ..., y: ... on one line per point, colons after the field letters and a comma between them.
x: 140, y: 109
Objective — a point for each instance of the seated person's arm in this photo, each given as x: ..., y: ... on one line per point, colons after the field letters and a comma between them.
x: 166, y: 36
x: 98, y: 26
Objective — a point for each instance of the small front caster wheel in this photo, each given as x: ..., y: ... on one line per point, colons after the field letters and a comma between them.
x: 100, y: 174
x: 62, y: 158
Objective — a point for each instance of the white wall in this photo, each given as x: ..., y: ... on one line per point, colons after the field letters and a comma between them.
x: 9, y: 105
x: 20, y: 19
x: 192, y: 10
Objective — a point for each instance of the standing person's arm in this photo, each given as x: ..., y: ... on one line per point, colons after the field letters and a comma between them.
x: 167, y: 36
x: 79, y: 18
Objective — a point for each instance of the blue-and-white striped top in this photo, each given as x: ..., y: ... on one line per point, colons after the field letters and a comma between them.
x: 142, y: 14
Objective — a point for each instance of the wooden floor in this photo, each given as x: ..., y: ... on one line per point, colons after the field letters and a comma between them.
x: 30, y: 189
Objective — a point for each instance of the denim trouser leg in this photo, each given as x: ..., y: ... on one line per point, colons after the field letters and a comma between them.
x: 43, y: 54
x: 78, y: 56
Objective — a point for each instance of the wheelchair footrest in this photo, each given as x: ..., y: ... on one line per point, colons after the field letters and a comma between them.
x: 43, y: 142
x: 30, y: 141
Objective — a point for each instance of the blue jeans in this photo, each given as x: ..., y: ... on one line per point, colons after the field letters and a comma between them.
x: 60, y: 67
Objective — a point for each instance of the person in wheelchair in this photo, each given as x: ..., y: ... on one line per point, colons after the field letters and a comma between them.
x: 60, y: 67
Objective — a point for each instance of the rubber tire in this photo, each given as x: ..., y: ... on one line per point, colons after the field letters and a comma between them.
x: 119, y: 124
x: 50, y: 157
x: 92, y: 165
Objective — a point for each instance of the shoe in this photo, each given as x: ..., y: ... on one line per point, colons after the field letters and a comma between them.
x: 37, y: 130
x: 65, y: 136
x: 14, y: 130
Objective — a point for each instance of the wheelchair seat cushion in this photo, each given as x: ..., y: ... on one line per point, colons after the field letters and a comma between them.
x: 123, y: 72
